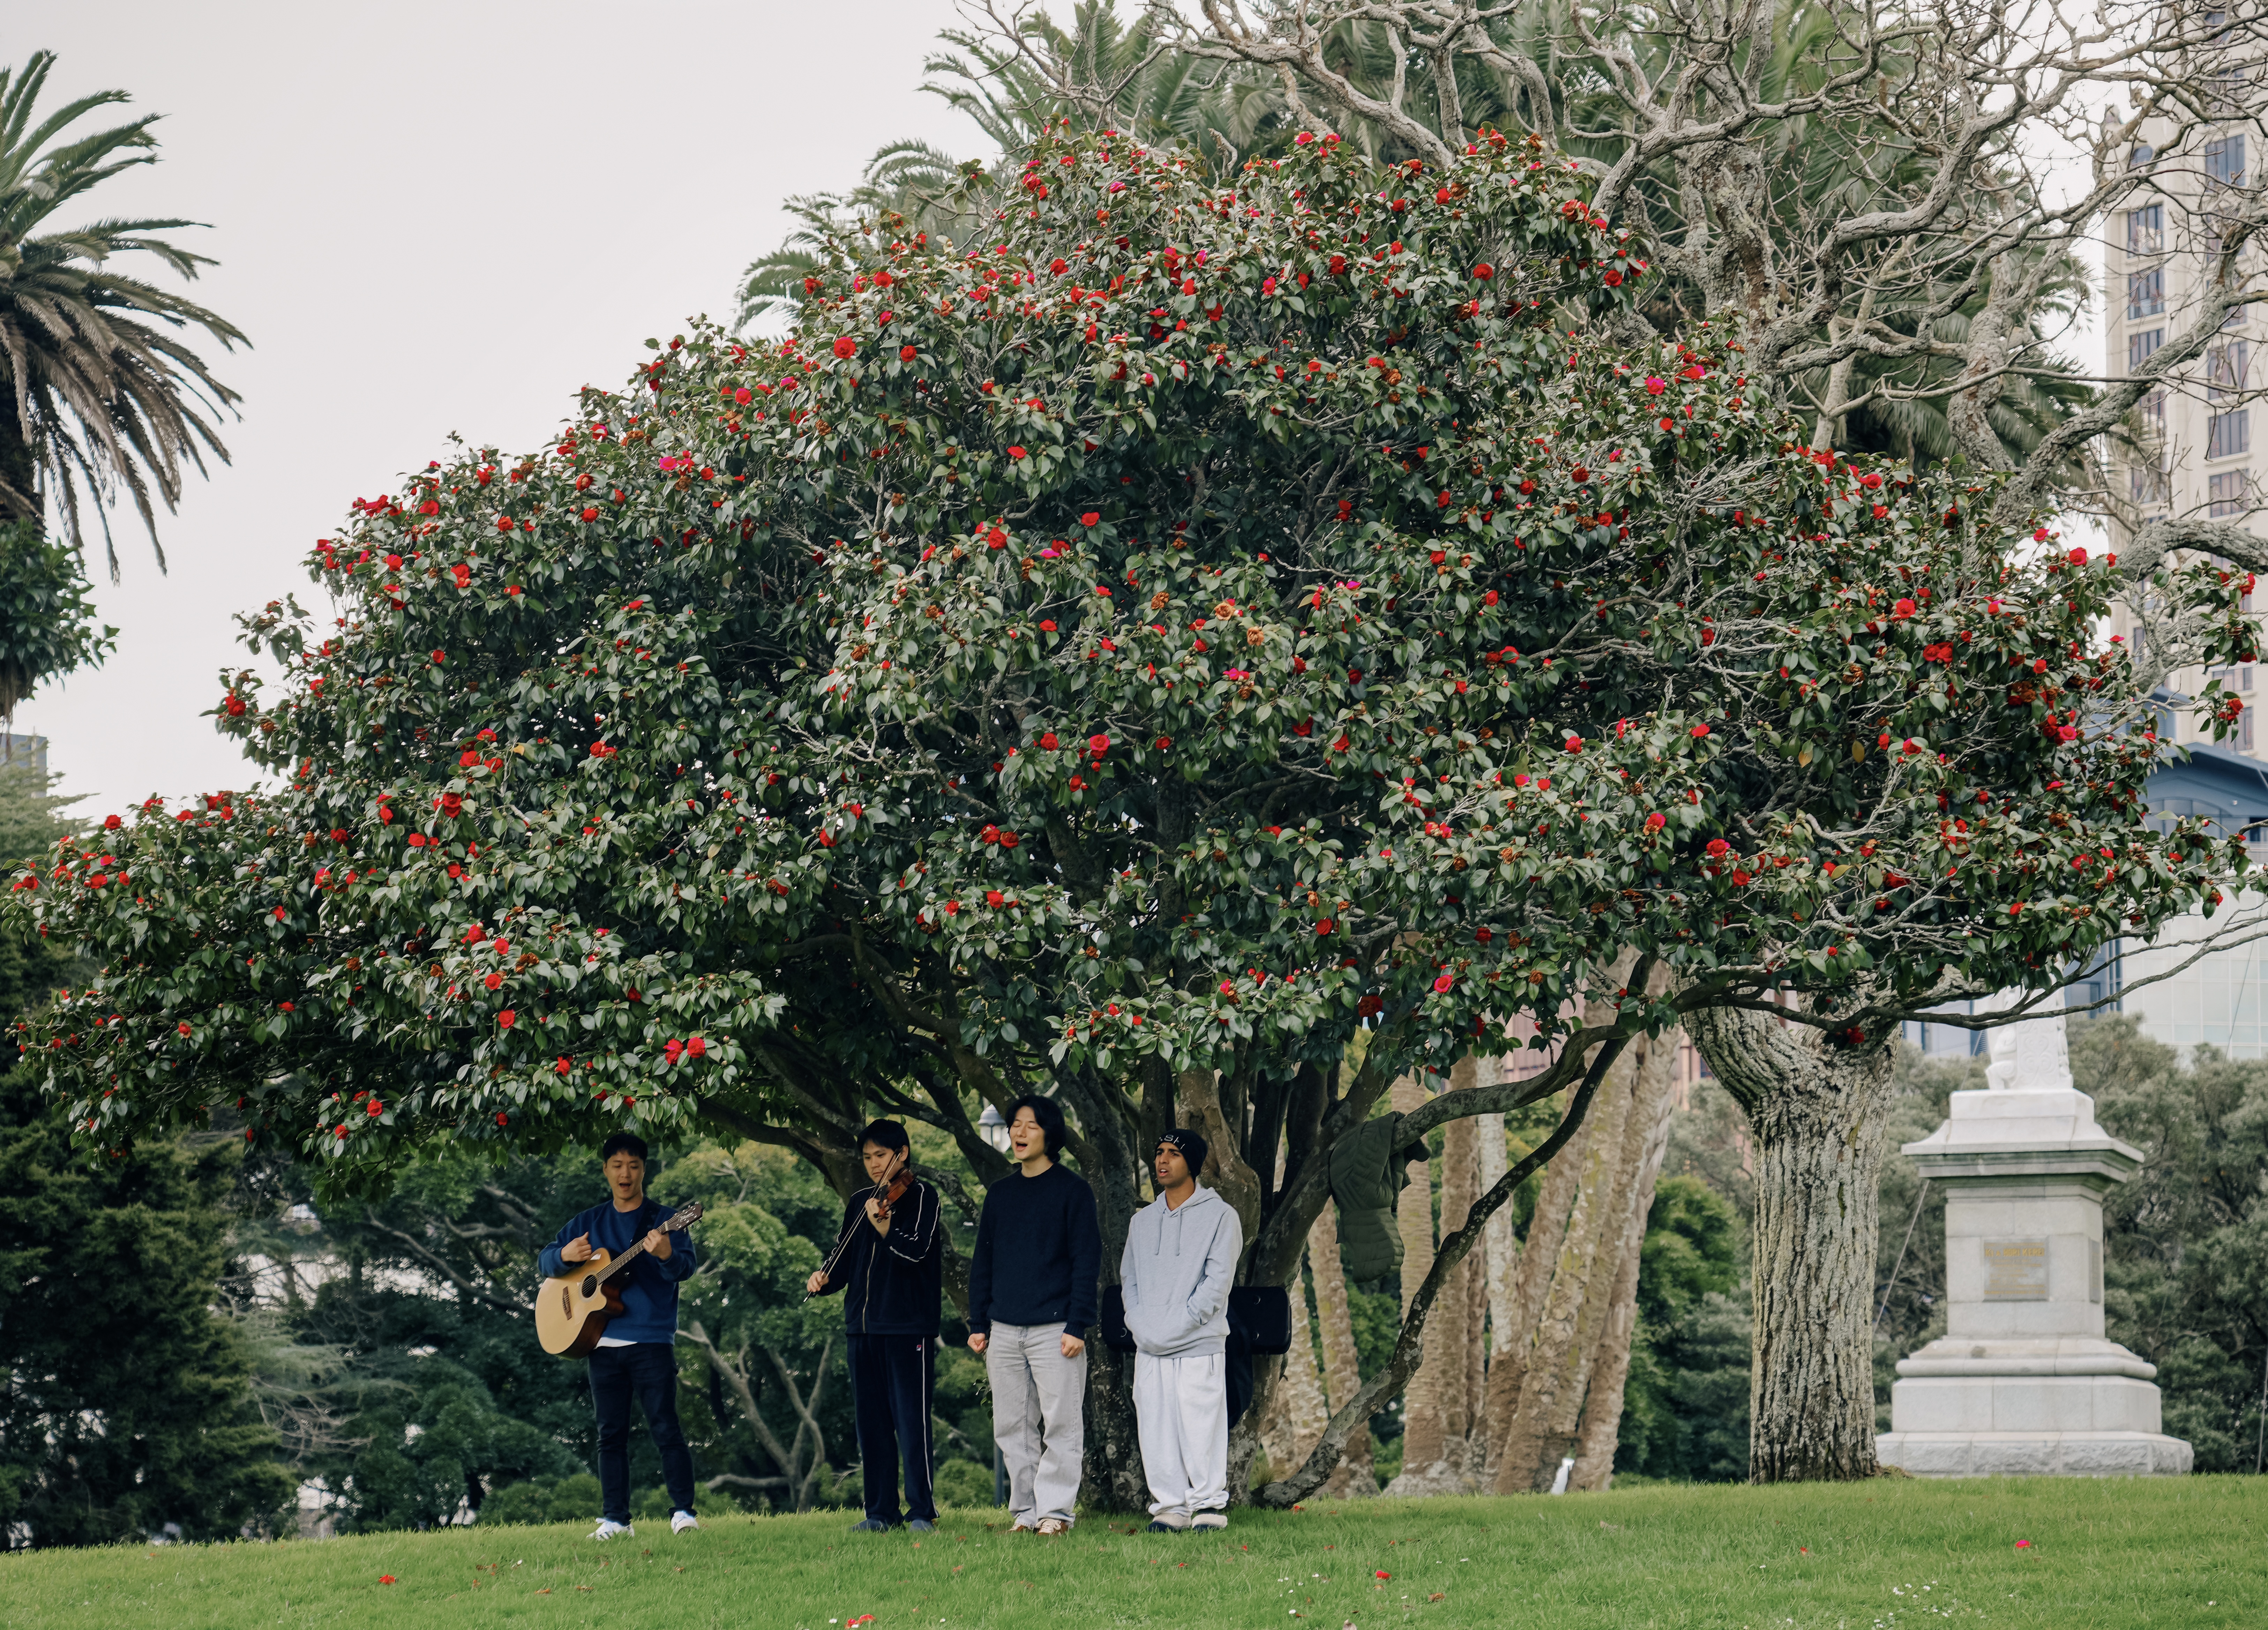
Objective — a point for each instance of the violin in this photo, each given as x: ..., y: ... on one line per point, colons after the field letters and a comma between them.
x: 901, y: 1183
x: 896, y: 1189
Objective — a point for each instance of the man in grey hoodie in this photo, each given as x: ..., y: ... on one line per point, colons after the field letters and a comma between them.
x: 1180, y: 1261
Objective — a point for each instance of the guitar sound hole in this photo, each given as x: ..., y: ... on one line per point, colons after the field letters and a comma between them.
x: 590, y: 1285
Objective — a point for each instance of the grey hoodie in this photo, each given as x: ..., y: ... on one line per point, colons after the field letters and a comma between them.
x: 1176, y: 1272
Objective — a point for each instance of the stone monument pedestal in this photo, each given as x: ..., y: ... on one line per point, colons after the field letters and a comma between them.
x: 2023, y: 1383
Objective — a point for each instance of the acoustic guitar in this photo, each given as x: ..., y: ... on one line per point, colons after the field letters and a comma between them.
x: 571, y: 1311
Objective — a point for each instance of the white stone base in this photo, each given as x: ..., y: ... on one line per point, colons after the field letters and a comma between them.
x: 2035, y: 1454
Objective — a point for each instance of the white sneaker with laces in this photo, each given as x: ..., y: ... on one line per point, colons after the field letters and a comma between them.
x: 607, y: 1530
x: 679, y: 1520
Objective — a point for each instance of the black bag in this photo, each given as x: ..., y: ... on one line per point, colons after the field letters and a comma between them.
x: 1115, y: 1336
x: 1260, y: 1314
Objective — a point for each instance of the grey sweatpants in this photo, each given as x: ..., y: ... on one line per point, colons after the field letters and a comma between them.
x: 1180, y: 1408
x: 1039, y: 1419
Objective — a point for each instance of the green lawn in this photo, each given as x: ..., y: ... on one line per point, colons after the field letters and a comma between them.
x: 2184, y: 1552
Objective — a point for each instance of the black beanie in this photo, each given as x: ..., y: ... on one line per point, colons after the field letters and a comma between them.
x: 1191, y: 1145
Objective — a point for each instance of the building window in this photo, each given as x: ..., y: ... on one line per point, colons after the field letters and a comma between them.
x: 2228, y: 493
x: 2244, y: 730
x: 2145, y: 292
x: 2138, y: 347
x: 2147, y: 485
x: 2146, y: 229
x: 2225, y: 367
x: 2224, y: 160
x: 2140, y: 154
x: 2228, y: 434
x: 2152, y: 411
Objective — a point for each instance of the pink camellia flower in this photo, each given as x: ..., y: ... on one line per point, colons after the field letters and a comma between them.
x: 1442, y: 983
x: 1655, y: 385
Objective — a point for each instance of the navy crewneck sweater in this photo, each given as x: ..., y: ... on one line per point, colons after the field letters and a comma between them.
x: 1039, y: 1249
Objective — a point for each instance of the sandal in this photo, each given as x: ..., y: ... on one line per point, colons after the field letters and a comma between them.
x: 1053, y: 1527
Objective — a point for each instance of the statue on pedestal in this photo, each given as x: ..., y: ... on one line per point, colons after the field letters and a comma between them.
x: 2024, y: 1382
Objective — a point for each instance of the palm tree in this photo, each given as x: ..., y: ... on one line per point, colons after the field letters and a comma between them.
x: 97, y: 388
x: 1101, y: 71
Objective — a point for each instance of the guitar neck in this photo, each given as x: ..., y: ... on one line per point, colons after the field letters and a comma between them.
x: 623, y: 1261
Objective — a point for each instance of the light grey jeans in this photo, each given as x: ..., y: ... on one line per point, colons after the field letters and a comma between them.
x: 1039, y: 1418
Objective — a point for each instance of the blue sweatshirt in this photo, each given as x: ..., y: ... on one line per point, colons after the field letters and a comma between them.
x: 1039, y: 1251
x: 649, y: 1285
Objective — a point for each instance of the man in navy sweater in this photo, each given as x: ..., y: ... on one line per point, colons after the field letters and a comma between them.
x: 638, y: 1355
x: 891, y: 1261
x: 1031, y: 1302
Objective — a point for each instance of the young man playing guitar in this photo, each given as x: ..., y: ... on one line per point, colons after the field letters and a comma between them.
x: 890, y: 1259
x: 637, y: 1355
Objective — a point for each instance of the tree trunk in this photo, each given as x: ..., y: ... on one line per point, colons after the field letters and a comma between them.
x: 1352, y: 1478
x: 1298, y: 1414
x: 1441, y: 1442
x: 1575, y: 1298
x: 1421, y: 1408
x: 1816, y: 1108
x: 1602, y: 1407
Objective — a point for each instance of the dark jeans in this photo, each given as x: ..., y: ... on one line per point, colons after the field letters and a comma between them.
x: 891, y: 1381
x: 647, y: 1370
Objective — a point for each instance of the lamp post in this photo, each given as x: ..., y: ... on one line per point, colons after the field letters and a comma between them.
x: 994, y: 1130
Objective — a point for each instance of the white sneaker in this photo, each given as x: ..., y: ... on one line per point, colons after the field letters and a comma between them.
x: 679, y: 1520
x: 612, y: 1530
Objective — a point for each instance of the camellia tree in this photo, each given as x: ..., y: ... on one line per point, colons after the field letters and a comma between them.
x: 1126, y: 657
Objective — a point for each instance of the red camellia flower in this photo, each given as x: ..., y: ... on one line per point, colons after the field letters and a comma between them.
x: 1325, y: 927
x: 502, y: 1118
x: 1904, y: 608
x: 440, y: 657
x: 1048, y: 741
x: 1698, y: 731
x: 744, y: 396
x: 1098, y: 745
x: 697, y: 1048
x: 1439, y: 984
x: 494, y: 982
x: 563, y: 1066
x: 993, y: 898
x: 907, y: 353
x: 1574, y: 744
x: 846, y: 348
x: 1090, y: 519
x: 505, y: 1019
x: 234, y: 703
x: 184, y: 1027
x: 1484, y: 271
x: 2078, y: 557
x: 1655, y: 823
x: 1614, y: 278
x: 1655, y: 385
x: 1058, y: 267
x: 1015, y: 453
x: 952, y: 908
x: 1718, y: 849
x: 376, y: 1108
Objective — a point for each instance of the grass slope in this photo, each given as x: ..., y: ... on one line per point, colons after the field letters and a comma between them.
x: 2170, y: 1552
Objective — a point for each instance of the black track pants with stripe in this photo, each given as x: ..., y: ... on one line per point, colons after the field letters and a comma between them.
x: 891, y: 1380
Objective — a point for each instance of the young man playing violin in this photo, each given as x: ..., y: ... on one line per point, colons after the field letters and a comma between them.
x: 890, y: 1265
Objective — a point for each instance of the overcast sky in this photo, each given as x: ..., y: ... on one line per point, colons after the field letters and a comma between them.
x: 429, y: 218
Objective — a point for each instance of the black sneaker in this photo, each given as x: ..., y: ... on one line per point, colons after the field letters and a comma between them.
x: 1158, y: 1526
x: 918, y: 1526
x: 871, y: 1525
